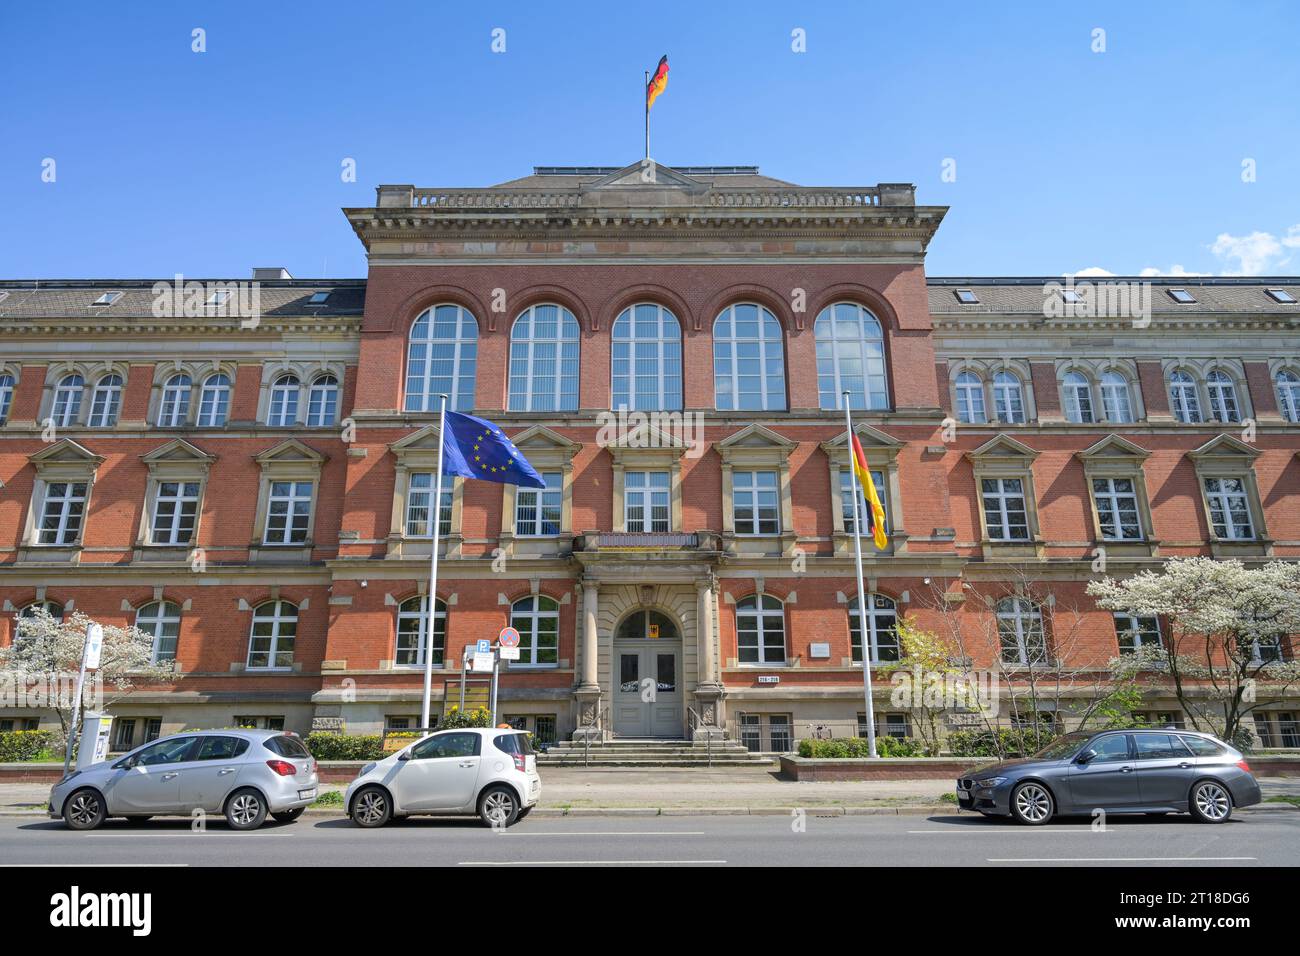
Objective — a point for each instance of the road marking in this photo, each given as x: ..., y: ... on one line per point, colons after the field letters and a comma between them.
x: 79, y: 865
x: 591, y: 833
x: 1122, y: 859
x: 960, y: 831
x: 591, y: 862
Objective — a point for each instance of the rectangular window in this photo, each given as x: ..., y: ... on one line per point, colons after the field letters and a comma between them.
x: 419, y: 494
x: 1229, y: 509
x: 848, y: 486
x: 1136, y: 632
x: 1005, y: 516
x: 754, y: 500
x: 260, y: 723
x: 898, y: 726
x: 175, y: 509
x: 61, y: 512
x: 646, y: 501
x: 1117, y: 509
x: 767, y: 733
x: 537, y: 511
x: 288, y: 512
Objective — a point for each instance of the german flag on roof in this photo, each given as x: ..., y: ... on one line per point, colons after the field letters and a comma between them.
x: 658, y: 80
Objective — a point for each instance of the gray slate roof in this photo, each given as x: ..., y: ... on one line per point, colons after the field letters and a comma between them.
x: 1024, y: 294
x: 72, y: 298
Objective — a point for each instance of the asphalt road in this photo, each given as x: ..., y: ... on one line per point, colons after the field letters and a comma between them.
x: 1262, y: 838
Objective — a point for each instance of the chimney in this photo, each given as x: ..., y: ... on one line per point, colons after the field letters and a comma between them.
x: 264, y: 273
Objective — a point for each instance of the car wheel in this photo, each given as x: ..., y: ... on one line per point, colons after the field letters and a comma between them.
x: 245, y: 810
x: 1211, y: 802
x: 498, y: 807
x: 288, y: 816
x: 1032, y: 804
x: 84, y: 810
x: 371, y: 808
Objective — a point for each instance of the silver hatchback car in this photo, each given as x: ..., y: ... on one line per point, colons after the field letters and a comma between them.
x: 243, y: 774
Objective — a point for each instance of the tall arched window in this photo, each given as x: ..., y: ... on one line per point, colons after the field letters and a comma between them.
x: 275, y: 628
x: 441, y: 358
x: 850, y: 355
x: 1008, y: 398
x: 1077, y: 392
x: 537, y: 619
x: 1115, y: 400
x: 323, y: 401
x: 53, y: 608
x: 67, y: 400
x: 544, y: 360
x: 1020, y: 629
x: 174, y: 411
x: 1288, y: 395
x: 282, y: 411
x: 748, y: 360
x: 214, y: 401
x: 105, y: 402
x: 6, y: 396
x: 970, y: 398
x: 413, y: 632
x: 1223, y: 397
x: 161, y: 620
x: 760, y: 630
x: 646, y: 359
x: 882, y: 621
x: 1183, y: 398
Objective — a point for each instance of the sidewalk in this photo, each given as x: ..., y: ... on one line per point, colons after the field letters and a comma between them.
x: 577, y: 791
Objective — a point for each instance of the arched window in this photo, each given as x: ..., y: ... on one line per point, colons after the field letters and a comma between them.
x: 6, y: 396
x: 1288, y: 395
x: 105, y: 402
x: 282, y: 412
x: 850, y: 355
x: 161, y: 620
x: 413, y: 632
x: 970, y: 398
x: 760, y: 630
x: 1020, y: 629
x: 647, y: 624
x: 67, y: 400
x: 1115, y: 400
x: 1183, y: 398
x: 882, y: 621
x: 175, y: 408
x: 537, y: 619
x: 544, y: 360
x: 646, y: 359
x: 440, y: 359
x: 323, y: 401
x: 214, y: 401
x: 1008, y: 398
x: 748, y: 360
x: 1223, y: 397
x: 275, y: 627
x: 1077, y: 392
x: 53, y: 608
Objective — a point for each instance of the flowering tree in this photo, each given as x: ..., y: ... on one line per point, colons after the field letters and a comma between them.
x: 1226, y: 624
x: 47, y: 652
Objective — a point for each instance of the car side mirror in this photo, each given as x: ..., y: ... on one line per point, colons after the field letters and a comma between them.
x: 126, y: 763
x: 1086, y: 756
x: 404, y: 755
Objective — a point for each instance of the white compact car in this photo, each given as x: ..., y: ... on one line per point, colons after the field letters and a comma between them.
x: 491, y: 772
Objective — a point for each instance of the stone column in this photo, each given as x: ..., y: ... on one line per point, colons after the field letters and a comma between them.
x: 709, y: 691
x: 587, y: 693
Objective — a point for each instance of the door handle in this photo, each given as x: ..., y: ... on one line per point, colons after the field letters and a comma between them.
x: 168, y: 776
x: 1125, y: 769
x: 222, y: 773
x: 467, y: 765
x: 1184, y: 766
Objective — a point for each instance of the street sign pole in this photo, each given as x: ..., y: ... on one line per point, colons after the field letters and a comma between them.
x: 496, y: 669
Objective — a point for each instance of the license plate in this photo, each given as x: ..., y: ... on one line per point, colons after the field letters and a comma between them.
x: 307, y: 794
x: 536, y: 785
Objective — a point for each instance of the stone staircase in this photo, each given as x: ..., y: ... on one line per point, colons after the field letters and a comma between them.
x: 650, y: 753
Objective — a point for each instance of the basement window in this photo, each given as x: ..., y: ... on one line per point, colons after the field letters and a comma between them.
x: 1280, y: 295
x: 967, y: 297
x: 1181, y: 296
x: 108, y: 298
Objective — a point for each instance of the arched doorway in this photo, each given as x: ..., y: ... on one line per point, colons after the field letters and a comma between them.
x: 647, y: 675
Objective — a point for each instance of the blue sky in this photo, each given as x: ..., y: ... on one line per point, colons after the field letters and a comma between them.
x: 1066, y: 159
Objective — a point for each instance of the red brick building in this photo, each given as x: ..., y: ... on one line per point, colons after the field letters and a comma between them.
x: 255, y: 487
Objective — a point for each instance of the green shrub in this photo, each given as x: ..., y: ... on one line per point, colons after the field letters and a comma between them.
x: 327, y: 746
x: 845, y: 748
x: 28, y: 745
x: 1004, y: 742
x: 330, y: 798
x: 456, y: 718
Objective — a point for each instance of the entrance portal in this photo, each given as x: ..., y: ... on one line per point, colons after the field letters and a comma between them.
x: 647, y: 676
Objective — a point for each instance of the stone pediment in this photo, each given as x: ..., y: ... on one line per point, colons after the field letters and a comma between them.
x: 66, y: 452
x: 756, y: 436
x: 646, y: 174
x: 290, y: 451
x: 541, y: 438
x: 1002, y: 447
x: 177, y: 451
x: 1225, y: 446
x: 1113, y: 447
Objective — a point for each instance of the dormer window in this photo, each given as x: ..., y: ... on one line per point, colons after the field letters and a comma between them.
x: 1181, y: 296
x: 1281, y: 295
x: 108, y: 298
x: 967, y: 297
x: 1070, y: 295
x: 318, y: 298
x: 219, y: 297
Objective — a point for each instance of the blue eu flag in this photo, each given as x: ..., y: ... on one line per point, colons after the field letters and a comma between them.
x: 474, y: 448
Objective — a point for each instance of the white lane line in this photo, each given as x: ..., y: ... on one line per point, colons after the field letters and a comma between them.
x: 591, y: 862
x: 79, y: 865
x: 1122, y: 859
x: 601, y: 833
x: 1026, y: 830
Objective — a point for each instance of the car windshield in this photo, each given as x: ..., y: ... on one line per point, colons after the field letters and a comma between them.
x: 1063, y: 748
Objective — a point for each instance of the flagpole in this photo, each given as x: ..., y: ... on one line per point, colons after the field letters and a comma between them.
x: 645, y: 95
x: 863, y: 626
x: 435, y: 522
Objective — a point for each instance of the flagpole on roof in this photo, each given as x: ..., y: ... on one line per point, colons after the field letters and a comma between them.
x: 864, y: 628
x: 435, y: 522
x: 645, y: 95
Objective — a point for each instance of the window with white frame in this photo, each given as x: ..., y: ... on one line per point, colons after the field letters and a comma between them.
x: 1008, y: 399
x: 1223, y: 397
x: 161, y: 620
x: 282, y: 412
x: 174, y: 410
x: 105, y: 402
x: 1229, y: 508
x: 419, y: 494
x: 537, y: 510
x: 1268, y: 649
x: 849, y: 490
x: 1005, y: 515
x: 6, y: 396
x: 850, y: 355
x: 748, y: 360
x: 1288, y: 395
x: 544, y: 351
x: 760, y: 630
x: 62, y: 510
x: 882, y: 634
x: 970, y: 399
x: 323, y: 401
x: 646, y: 497
x: 1116, y: 403
x: 1020, y: 630
x: 413, y: 632
x: 53, y: 608
x: 275, y: 628
x: 1077, y: 391
x: 175, y: 510
x: 1136, y: 632
x: 755, y: 501
x: 214, y: 400
x: 441, y: 358
x: 288, y: 512
x: 1184, y: 400
x: 1117, y: 509
x: 646, y: 359
x: 67, y: 400
x: 537, y: 619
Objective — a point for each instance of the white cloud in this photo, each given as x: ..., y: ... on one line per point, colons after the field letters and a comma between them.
x: 1151, y: 272
x: 1256, y: 254
x: 1091, y: 271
